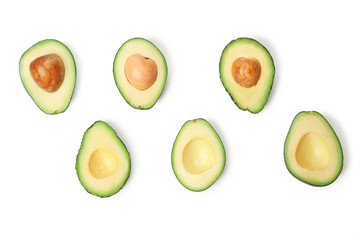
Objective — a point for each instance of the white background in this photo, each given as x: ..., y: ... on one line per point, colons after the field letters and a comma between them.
x: 315, y: 47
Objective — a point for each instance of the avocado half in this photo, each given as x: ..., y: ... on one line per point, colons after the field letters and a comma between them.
x: 140, y: 72
x: 247, y: 72
x: 48, y: 73
x: 312, y: 150
x: 103, y: 162
x: 198, y: 155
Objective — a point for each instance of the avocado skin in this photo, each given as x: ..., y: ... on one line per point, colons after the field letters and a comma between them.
x: 273, y: 75
x: 148, y: 106
x: 78, y: 162
x: 220, y: 141
x: 315, y: 184
x: 40, y: 43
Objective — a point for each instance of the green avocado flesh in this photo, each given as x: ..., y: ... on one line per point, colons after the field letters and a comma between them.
x: 48, y: 73
x: 253, y: 62
x: 140, y: 72
x: 103, y: 162
x: 312, y: 150
x: 198, y: 155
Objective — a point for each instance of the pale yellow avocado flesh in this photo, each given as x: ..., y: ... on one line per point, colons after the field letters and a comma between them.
x: 312, y: 150
x: 198, y: 155
x: 103, y: 163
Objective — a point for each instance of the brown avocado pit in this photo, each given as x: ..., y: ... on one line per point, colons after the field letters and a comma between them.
x: 246, y: 71
x: 141, y: 72
x: 48, y: 72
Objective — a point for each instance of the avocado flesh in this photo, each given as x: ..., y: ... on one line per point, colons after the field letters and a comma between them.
x: 103, y: 162
x: 252, y: 98
x: 49, y: 102
x: 139, y: 99
x: 198, y: 155
x: 312, y: 151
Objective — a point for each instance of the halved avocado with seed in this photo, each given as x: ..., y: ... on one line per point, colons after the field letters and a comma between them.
x: 247, y: 73
x: 48, y: 73
x: 103, y: 162
x: 140, y: 72
x: 312, y: 150
x: 198, y: 155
